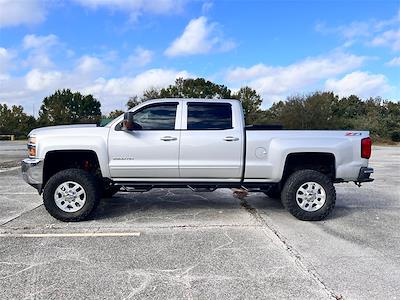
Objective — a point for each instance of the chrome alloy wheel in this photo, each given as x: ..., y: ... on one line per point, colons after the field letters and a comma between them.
x: 310, y: 196
x: 70, y: 196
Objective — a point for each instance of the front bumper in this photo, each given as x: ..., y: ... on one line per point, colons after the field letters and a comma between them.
x: 32, y: 172
x: 364, y: 174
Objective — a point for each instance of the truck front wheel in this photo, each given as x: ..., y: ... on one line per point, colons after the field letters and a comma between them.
x: 309, y: 195
x: 71, y: 195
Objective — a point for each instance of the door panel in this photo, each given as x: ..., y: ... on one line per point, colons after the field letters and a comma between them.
x: 211, y: 146
x: 147, y: 152
x: 206, y: 154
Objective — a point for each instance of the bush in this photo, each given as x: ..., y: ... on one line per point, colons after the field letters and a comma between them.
x: 395, y: 136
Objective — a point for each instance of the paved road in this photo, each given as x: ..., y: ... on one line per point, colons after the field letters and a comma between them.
x: 178, y: 244
x: 11, y: 152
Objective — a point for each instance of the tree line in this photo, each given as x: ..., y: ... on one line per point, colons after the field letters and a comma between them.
x: 318, y: 110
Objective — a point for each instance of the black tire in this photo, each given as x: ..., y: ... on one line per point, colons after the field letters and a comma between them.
x: 88, y: 183
x: 295, y: 181
x: 110, y: 190
x: 274, y: 192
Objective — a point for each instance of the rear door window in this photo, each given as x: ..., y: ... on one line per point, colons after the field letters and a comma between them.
x: 209, y: 116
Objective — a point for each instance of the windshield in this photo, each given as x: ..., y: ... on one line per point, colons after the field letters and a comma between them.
x: 105, y: 121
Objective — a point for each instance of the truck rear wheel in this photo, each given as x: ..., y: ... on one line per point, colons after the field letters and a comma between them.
x: 71, y: 195
x: 309, y: 195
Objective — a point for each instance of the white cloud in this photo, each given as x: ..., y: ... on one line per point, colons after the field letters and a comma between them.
x: 90, y: 65
x: 114, y: 90
x: 36, y: 84
x: 394, y: 62
x: 199, y: 37
x: 37, y: 80
x: 194, y: 39
x: 242, y: 73
x: 14, y: 91
x: 38, y: 47
x: 39, y: 60
x: 275, y: 82
x: 87, y: 74
x: 6, y: 60
x: 372, y: 32
x: 140, y: 58
x: 32, y: 41
x: 349, y: 31
x: 355, y: 29
x: 380, y: 25
x: 390, y: 38
x: 21, y: 12
x: 136, y: 7
x: 359, y: 83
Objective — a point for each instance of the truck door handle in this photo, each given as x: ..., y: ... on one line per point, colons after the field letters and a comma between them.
x: 168, y: 138
x: 231, y: 139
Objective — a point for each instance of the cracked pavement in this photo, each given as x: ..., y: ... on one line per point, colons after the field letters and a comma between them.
x: 205, y: 245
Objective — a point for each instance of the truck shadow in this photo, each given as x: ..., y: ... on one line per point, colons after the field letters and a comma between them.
x: 164, y: 204
x: 179, y: 204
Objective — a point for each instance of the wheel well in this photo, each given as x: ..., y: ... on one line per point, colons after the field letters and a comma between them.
x: 318, y: 161
x: 59, y: 160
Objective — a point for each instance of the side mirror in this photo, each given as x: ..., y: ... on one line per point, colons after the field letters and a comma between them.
x: 127, y: 123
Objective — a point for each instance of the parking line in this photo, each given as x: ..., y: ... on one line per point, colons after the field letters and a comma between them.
x: 82, y: 234
x: 9, y: 169
x: 18, y: 193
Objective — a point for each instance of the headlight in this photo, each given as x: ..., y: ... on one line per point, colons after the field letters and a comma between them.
x: 32, y: 147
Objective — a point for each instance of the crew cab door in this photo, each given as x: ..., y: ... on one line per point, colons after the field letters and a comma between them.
x: 150, y: 150
x: 211, y: 141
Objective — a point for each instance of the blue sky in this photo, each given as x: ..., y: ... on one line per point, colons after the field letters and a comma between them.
x: 116, y: 49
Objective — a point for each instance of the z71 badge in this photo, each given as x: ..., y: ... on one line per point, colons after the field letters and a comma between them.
x: 353, y: 133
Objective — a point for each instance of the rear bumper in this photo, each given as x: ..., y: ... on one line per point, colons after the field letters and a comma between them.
x: 364, y: 175
x: 32, y: 172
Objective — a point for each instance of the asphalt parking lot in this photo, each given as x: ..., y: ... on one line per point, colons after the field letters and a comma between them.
x: 11, y: 153
x: 176, y: 244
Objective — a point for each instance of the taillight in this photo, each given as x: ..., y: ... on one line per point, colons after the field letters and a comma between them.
x: 366, y: 145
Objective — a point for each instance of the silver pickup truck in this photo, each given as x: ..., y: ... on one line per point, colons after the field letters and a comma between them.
x: 196, y: 143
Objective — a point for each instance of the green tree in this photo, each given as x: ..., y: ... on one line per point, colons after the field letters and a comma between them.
x: 148, y: 94
x: 195, y: 88
x: 381, y: 117
x: 288, y: 112
x: 133, y: 101
x: 66, y: 107
x: 151, y: 93
x: 114, y: 114
x: 319, y: 111
x: 13, y: 120
x: 251, y: 102
x: 393, y: 118
x: 315, y: 111
x: 183, y: 88
x: 350, y: 107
